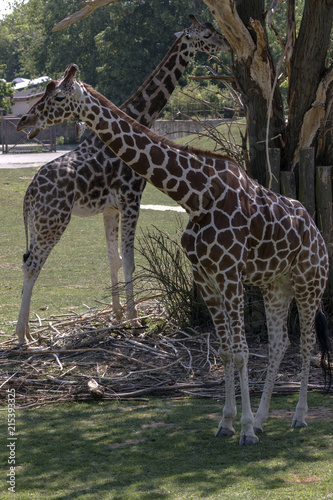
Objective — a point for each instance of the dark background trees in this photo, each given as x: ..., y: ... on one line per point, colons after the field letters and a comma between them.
x: 116, y: 48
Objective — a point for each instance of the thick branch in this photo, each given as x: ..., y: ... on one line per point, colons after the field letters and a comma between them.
x: 314, y: 116
x: 260, y: 68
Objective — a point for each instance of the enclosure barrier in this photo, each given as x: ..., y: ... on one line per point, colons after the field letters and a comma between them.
x: 315, y: 192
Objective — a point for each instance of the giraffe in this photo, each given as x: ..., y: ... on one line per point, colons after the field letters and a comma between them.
x: 238, y: 233
x: 91, y: 180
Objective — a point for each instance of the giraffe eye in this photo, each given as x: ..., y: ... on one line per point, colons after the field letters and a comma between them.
x: 59, y: 98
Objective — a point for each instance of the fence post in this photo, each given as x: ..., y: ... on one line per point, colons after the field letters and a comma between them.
x: 324, y: 190
x: 288, y: 184
x: 324, y: 202
x: 274, y: 160
x: 2, y: 112
x: 307, y: 180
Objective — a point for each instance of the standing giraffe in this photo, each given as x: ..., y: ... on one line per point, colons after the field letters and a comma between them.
x: 238, y: 233
x: 91, y: 180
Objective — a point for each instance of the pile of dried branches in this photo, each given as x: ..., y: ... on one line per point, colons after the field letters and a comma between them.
x: 92, y: 356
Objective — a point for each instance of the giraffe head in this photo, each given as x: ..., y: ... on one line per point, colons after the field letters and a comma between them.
x: 204, y: 37
x: 57, y: 104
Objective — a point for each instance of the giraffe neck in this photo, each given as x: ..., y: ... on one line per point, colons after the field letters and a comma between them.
x: 147, y: 102
x: 184, y: 177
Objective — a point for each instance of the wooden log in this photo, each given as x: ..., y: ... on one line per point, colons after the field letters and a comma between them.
x: 273, y: 176
x: 307, y: 180
x: 288, y: 184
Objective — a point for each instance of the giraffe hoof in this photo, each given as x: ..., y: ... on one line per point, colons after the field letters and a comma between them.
x: 223, y: 431
x: 296, y: 424
x: 258, y: 430
x: 248, y: 440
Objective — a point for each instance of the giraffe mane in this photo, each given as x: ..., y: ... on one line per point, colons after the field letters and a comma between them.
x: 153, y: 135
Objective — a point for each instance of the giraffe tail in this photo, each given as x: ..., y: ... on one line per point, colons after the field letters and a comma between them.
x: 325, y: 345
x: 26, y: 205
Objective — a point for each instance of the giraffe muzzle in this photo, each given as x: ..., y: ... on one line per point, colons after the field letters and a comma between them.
x: 27, y: 122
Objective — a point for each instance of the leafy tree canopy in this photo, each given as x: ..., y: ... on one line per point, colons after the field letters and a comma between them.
x: 116, y: 48
x: 6, y: 91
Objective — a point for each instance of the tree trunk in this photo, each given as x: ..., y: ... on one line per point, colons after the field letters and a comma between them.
x: 308, y: 79
x: 254, y: 72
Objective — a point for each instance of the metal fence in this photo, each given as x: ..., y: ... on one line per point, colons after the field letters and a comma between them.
x: 18, y: 142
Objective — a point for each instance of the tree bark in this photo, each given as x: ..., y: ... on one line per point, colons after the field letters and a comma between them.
x: 308, y: 80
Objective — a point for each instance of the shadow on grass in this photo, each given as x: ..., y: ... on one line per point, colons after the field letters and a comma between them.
x: 157, y: 450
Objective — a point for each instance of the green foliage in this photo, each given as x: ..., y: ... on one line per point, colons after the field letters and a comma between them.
x: 6, y: 91
x: 138, y: 37
x: 116, y: 47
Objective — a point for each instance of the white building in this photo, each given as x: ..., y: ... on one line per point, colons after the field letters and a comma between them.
x: 27, y: 92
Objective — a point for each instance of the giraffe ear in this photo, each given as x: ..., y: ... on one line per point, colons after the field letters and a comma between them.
x: 70, y: 73
x: 195, y: 22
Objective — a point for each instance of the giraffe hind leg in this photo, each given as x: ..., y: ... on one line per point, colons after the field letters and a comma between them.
x: 307, y: 311
x: 43, y: 239
x: 33, y: 261
x: 129, y: 219
x: 277, y: 298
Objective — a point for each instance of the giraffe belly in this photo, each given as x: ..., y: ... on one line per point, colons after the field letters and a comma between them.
x: 87, y: 206
x: 86, y: 211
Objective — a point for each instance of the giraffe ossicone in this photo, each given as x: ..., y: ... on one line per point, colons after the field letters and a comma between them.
x: 238, y: 233
x: 91, y: 180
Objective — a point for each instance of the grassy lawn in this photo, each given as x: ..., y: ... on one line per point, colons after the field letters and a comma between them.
x: 166, y: 449
x: 77, y: 271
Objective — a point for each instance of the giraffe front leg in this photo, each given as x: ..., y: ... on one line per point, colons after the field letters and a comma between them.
x: 225, y: 427
x: 248, y: 436
x: 129, y: 218
x: 22, y: 326
x: 111, y: 226
x: 235, y: 312
x: 32, y: 266
x: 213, y: 300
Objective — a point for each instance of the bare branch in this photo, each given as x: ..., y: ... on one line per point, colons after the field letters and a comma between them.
x: 291, y: 33
x: 89, y: 7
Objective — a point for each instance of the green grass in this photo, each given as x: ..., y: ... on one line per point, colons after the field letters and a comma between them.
x: 77, y: 271
x: 165, y: 449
